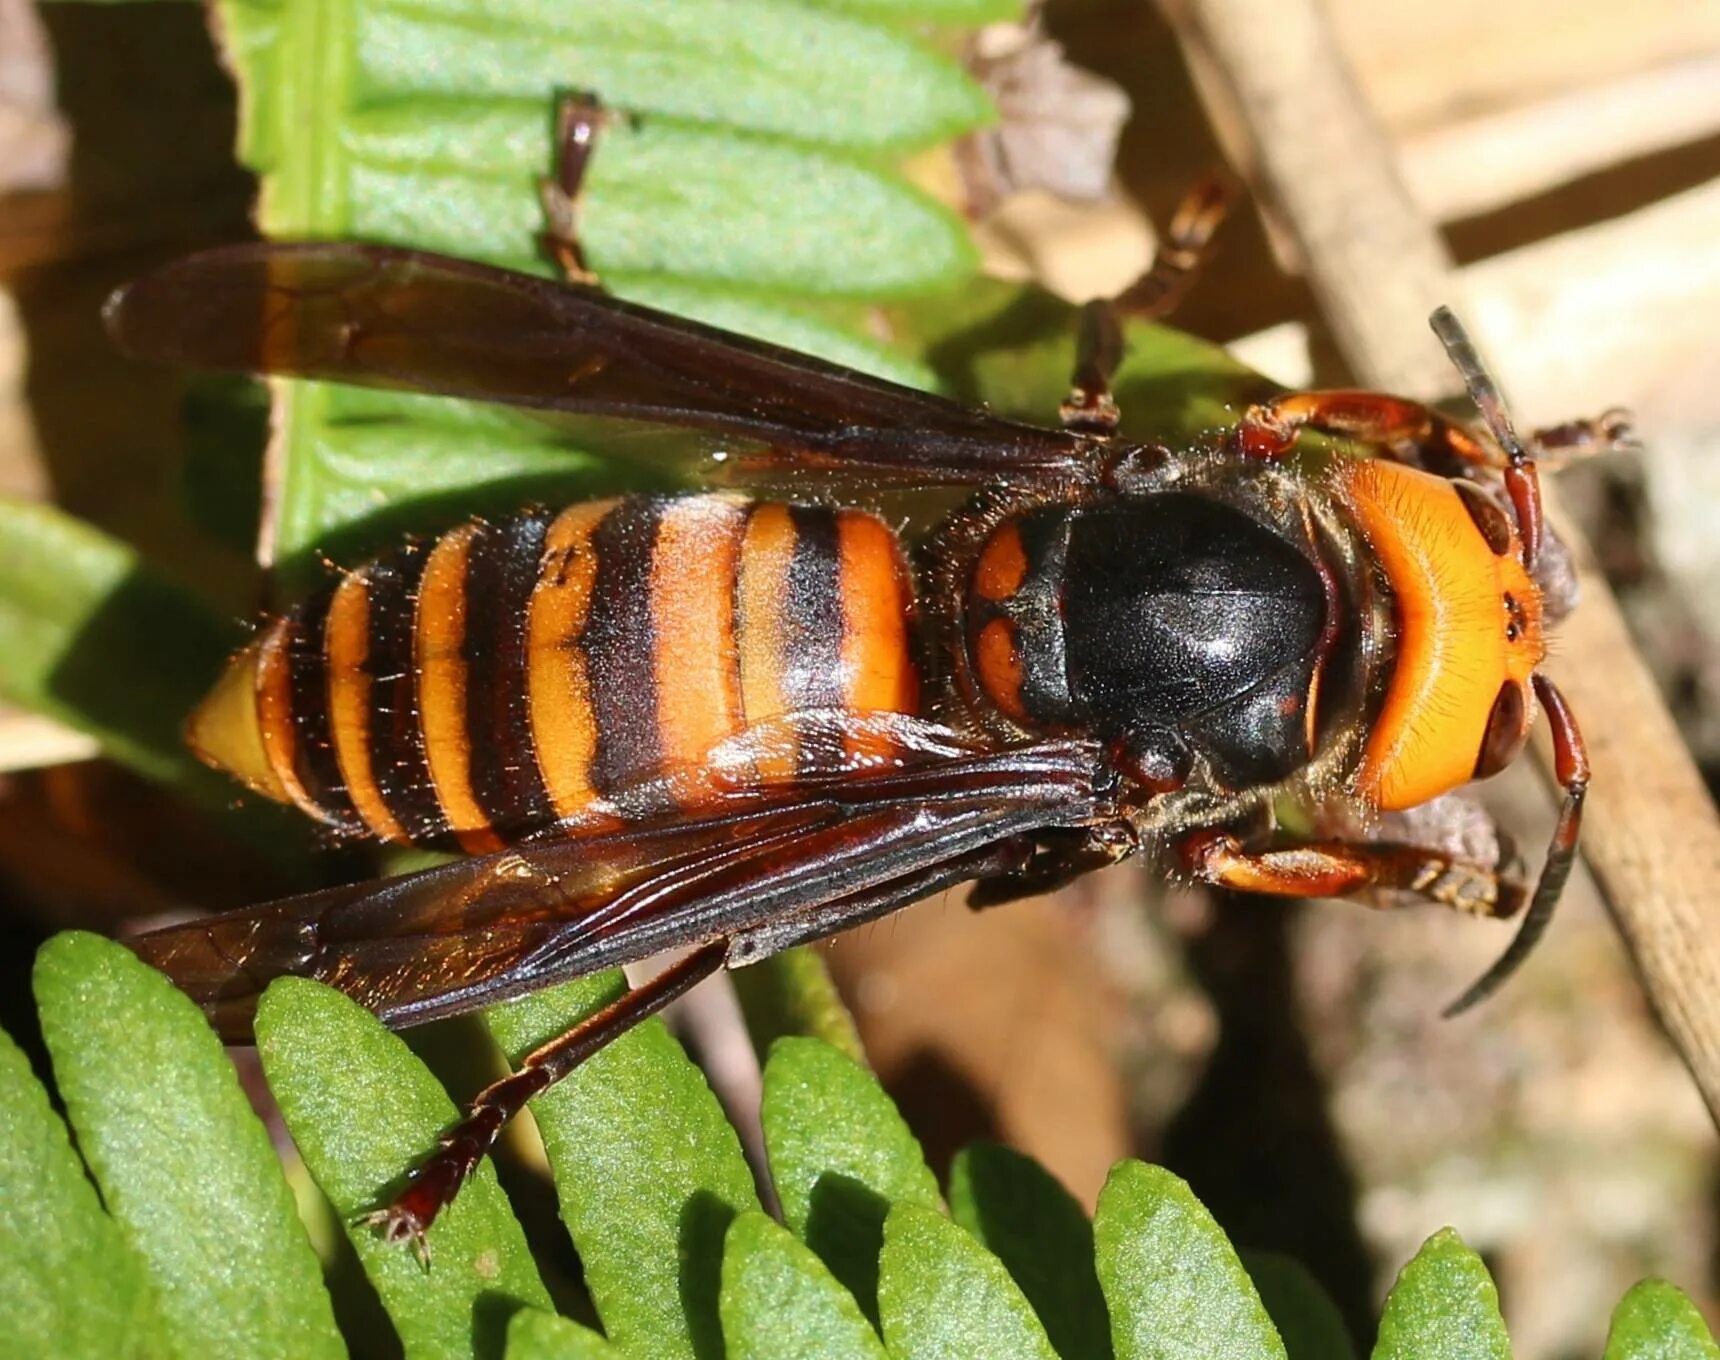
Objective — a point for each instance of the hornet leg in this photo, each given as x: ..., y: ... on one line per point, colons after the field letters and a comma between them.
x: 1337, y: 868
x: 579, y: 118
x: 1182, y: 253
x: 437, y: 1180
x: 1401, y: 429
x: 1184, y: 248
x: 1411, y: 432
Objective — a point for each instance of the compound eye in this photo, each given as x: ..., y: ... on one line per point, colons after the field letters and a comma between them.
x: 1494, y: 524
x: 1507, y: 730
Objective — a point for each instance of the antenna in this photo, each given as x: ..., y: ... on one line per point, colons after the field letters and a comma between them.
x: 1570, y: 759
x: 1522, y: 481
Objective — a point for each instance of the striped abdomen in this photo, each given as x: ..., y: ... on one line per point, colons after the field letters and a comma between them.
x: 578, y: 666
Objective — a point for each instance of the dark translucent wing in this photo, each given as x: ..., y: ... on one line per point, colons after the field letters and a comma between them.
x: 466, y: 934
x: 405, y: 319
x: 401, y: 944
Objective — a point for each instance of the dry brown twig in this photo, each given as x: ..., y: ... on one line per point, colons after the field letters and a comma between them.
x: 1377, y: 267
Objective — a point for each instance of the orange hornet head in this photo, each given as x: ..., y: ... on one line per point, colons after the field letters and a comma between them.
x: 1461, y: 698
x: 1468, y: 620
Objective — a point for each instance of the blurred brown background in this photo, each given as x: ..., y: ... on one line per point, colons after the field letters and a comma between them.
x: 1287, y: 1060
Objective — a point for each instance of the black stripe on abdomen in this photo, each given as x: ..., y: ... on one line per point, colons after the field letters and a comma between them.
x: 396, y: 740
x: 812, y: 632
x: 618, y: 642
x: 501, y: 573
x: 317, y: 766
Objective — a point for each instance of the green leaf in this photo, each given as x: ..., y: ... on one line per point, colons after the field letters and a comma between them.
x: 1022, y: 1213
x: 365, y: 467
x: 780, y: 1303
x: 1656, y: 1321
x: 693, y: 204
x: 1175, y: 1288
x: 91, y: 636
x: 840, y: 1157
x: 943, y: 1296
x: 649, y: 1171
x: 428, y: 124
x: 1307, y: 1320
x: 1443, y: 1307
x: 183, y: 1165
x: 760, y: 65
x: 793, y: 993
x: 55, y: 1239
x: 930, y: 11
x: 659, y: 197
x: 536, y: 1335
x: 708, y: 205
x: 363, y: 1111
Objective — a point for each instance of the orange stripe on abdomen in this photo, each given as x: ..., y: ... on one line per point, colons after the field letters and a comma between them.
x: 275, y: 714
x: 762, y: 629
x: 439, y: 643
x: 346, y: 651
x: 878, y: 671
x: 564, y: 725
x: 696, y: 661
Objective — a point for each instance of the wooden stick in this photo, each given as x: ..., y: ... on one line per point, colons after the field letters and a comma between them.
x: 1378, y: 268
x: 1328, y: 173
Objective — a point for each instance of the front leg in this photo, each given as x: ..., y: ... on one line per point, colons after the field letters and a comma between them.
x: 1413, y: 433
x: 1339, y: 868
x: 1405, y: 430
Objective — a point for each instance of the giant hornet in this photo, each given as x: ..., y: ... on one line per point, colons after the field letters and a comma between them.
x: 732, y: 723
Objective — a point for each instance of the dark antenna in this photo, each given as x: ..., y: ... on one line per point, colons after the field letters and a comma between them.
x: 1571, y: 764
x: 1570, y: 757
x: 1522, y: 481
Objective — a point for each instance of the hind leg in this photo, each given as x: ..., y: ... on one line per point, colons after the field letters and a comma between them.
x: 579, y: 120
x: 1184, y: 248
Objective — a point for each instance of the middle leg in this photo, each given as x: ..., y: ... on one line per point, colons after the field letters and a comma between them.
x: 1338, y: 868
